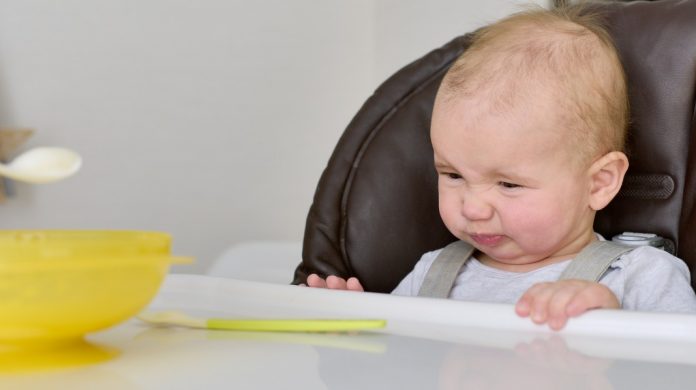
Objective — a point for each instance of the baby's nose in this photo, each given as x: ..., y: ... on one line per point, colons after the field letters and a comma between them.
x: 474, y: 206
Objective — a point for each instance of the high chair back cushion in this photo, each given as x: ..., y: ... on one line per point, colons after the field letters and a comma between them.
x: 375, y: 209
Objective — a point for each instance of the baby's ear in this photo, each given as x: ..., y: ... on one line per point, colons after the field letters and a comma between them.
x: 606, y: 176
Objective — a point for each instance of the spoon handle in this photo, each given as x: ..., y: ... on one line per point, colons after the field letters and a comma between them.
x: 295, y: 325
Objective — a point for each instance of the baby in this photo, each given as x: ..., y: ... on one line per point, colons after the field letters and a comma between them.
x: 528, y: 132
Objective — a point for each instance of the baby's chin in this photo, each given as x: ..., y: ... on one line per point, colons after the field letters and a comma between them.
x: 510, y: 258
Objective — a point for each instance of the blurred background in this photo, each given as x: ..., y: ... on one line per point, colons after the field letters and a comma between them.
x: 211, y: 119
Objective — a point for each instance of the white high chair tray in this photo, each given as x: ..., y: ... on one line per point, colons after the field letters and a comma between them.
x: 427, y: 344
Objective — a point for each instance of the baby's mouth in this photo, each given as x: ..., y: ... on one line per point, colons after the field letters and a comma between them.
x: 486, y: 239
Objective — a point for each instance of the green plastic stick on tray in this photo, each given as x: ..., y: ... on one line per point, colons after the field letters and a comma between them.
x: 304, y: 325
x: 262, y: 325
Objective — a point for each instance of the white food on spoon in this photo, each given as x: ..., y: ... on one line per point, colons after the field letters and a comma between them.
x: 42, y: 165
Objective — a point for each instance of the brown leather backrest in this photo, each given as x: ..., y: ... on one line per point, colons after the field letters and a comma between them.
x: 375, y: 208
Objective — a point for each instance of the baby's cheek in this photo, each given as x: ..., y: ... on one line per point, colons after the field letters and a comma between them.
x: 449, y: 211
x: 452, y: 221
x: 534, y: 226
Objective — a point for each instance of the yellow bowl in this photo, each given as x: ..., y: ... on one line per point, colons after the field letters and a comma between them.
x: 57, y: 285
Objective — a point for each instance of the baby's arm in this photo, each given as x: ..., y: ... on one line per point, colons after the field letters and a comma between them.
x: 555, y: 302
x: 334, y: 282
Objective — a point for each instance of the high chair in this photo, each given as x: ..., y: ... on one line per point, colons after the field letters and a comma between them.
x: 375, y: 210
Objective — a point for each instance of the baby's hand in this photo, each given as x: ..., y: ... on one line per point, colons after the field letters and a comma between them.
x: 334, y: 283
x: 555, y: 302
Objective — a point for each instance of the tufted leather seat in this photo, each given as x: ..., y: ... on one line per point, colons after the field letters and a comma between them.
x: 375, y: 208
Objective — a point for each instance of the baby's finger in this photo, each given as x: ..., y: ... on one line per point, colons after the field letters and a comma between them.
x: 539, y: 305
x: 530, y: 304
x: 354, y: 284
x: 524, y: 306
x: 336, y: 283
x: 314, y: 280
x: 592, y: 297
x: 557, y: 316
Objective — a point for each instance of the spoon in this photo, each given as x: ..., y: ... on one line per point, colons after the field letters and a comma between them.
x: 176, y: 318
x: 42, y: 165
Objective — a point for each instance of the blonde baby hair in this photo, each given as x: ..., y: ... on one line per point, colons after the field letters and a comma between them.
x: 568, y: 52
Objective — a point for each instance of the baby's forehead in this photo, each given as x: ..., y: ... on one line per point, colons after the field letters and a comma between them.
x: 517, y: 102
x: 540, y: 116
x: 530, y: 130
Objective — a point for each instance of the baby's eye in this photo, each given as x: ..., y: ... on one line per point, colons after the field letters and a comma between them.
x: 506, y: 184
x: 451, y: 175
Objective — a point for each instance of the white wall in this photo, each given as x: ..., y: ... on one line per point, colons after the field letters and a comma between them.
x: 211, y: 119
x: 407, y: 29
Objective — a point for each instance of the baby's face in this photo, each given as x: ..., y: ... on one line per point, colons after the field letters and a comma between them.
x: 507, y: 182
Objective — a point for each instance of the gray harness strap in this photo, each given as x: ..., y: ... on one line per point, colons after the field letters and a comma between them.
x: 594, y: 260
x: 590, y: 264
x: 440, y: 278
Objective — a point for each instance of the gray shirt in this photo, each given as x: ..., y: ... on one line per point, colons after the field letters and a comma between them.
x: 645, y: 279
